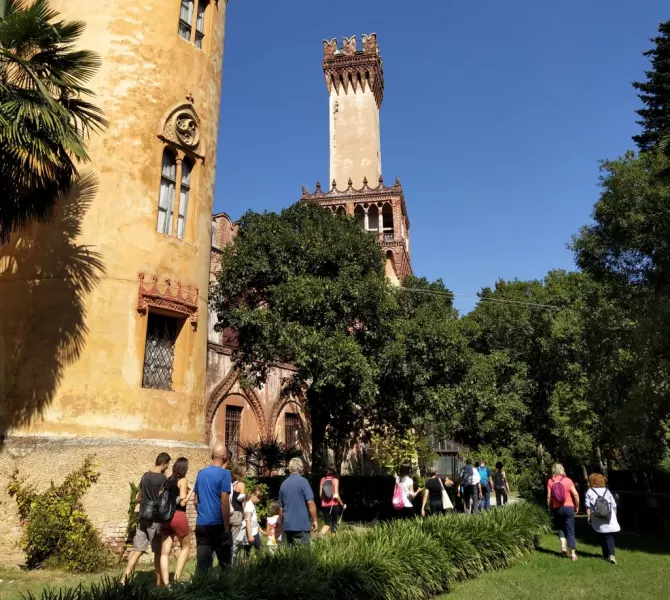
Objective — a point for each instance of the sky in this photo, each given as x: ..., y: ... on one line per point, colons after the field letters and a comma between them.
x: 495, y: 116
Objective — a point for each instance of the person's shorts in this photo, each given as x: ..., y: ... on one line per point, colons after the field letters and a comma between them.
x: 178, y: 525
x: 331, y: 514
x: 147, y: 534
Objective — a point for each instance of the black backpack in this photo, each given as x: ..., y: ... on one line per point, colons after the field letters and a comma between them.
x: 327, y: 490
x: 165, y: 507
x: 601, y: 507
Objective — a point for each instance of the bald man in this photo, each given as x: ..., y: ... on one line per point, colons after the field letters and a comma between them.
x: 212, y: 527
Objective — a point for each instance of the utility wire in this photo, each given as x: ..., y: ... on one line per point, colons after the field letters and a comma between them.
x: 480, y: 298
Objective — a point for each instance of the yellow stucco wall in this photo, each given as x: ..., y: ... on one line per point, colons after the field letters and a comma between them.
x: 71, y: 338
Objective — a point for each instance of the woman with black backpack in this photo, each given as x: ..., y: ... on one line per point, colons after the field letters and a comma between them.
x: 329, y: 492
x: 601, y: 510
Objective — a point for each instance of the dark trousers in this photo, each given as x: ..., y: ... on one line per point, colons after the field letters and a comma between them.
x: 471, y: 497
x: 485, y: 502
x: 298, y: 537
x: 436, y: 507
x: 211, y: 540
x: 607, y: 544
x: 406, y: 513
x: 501, y: 497
x: 564, y: 521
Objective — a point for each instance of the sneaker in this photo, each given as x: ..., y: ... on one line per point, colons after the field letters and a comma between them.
x: 612, y: 559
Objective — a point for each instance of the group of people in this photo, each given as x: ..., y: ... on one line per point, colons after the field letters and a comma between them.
x: 601, y: 511
x: 227, y: 523
x: 473, y: 488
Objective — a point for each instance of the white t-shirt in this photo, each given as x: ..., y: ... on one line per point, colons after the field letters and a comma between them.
x: 598, y: 524
x: 473, y: 480
x: 405, y: 485
x: 250, y: 507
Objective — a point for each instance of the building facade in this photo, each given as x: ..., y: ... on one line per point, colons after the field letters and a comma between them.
x: 103, y: 339
x: 355, y: 83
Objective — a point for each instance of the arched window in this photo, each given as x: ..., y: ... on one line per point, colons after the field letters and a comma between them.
x: 184, y: 191
x: 373, y: 218
x: 359, y: 213
x: 387, y: 220
x: 167, y: 192
x: 341, y: 211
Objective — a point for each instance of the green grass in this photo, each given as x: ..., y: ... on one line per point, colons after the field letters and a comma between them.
x: 643, y: 571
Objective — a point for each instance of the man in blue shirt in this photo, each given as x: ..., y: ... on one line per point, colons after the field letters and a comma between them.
x: 297, y: 507
x: 212, y: 499
x: 485, y: 476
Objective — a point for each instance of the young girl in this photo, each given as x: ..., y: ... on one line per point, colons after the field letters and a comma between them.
x: 273, y: 531
x: 253, y: 530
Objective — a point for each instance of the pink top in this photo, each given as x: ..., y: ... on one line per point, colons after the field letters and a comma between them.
x: 328, y: 503
x: 568, y: 484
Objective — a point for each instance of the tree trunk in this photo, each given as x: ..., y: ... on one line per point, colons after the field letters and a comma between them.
x: 319, y: 424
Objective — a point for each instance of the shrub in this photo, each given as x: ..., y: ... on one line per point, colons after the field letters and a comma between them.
x: 57, y: 531
x: 404, y: 560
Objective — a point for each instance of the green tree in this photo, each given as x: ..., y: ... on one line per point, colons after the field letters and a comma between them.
x: 307, y: 288
x: 655, y: 92
x: 44, y: 117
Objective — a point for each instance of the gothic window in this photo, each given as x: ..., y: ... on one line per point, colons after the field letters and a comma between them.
x: 233, y: 427
x: 291, y: 428
x: 167, y: 192
x: 373, y: 218
x: 159, y: 352
x: 387, y: 220
x: 341, y: 211
x: 359, y: 213
x: 186, y: 19
x: 189, y: 9
x: 185, y: 188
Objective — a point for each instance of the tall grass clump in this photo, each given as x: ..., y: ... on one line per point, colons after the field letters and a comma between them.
x: 402, y: 560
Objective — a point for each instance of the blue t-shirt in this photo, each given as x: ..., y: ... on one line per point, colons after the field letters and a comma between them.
x: 294, y: 494
x: 484, y: 475
x: 210, y: 483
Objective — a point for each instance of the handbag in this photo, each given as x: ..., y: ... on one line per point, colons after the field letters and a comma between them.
x: 446, y: 501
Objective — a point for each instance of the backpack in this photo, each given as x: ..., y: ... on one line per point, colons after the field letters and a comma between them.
x: 558, y: 492
x: 398, y: 497
x: 165, y: 507
x: 601, y: 507
x: 327, y: 491
x: 468, y: 474
x: 484, y: 474
x: 499, y: 480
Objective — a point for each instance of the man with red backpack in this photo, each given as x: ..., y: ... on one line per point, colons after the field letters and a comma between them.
x: 563, y: 503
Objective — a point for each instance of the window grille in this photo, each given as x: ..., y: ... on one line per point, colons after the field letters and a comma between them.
x: 200, y: 23
x: 186, y: 19
x: 167, y: 192
x: 291, y: 428
x: 233, y: 426
x: 159, y: 352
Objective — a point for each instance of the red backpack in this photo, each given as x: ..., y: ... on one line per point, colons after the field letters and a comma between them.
x: 558, y: 492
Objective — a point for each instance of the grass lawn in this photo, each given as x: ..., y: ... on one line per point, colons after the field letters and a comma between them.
x: 643, y: 571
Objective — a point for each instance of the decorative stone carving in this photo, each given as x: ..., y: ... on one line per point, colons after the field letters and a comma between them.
x: 176, y: 300
x: 181, y: 126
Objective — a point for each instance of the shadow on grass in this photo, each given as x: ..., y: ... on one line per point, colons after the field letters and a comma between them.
x: 580, y: 553
x: 623, y: 540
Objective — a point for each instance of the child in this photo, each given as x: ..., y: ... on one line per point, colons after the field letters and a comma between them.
x: 274, y: 530
x: 253, y: 532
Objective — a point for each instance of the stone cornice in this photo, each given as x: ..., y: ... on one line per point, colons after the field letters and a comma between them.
x: 176, y: 300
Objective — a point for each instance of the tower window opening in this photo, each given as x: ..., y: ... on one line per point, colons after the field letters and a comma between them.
x: 359, y: 214
x: 373, y: 218
x: 185, y: 189
x: 189, y: 9
x: 341, y: 211
x: 167, y: 192
x: 200, y: 23
x: 387, y: 222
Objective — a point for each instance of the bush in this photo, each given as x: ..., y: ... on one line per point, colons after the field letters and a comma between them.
x: 404, y: 560
x: 57, y: 531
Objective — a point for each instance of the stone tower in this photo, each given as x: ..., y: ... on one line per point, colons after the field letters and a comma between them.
x: 355, y: 83
x: 104, y: 328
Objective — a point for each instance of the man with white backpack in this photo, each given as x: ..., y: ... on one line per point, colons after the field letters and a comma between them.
x: 601, y: 510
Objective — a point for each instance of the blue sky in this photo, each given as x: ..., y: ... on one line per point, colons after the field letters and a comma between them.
x: 495, y: 115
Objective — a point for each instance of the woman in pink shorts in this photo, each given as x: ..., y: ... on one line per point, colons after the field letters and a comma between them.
x: 178, y: 527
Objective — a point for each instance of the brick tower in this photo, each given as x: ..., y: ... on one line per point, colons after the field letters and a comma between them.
x: 355, y: 83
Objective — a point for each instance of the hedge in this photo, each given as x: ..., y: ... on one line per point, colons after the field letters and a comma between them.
x: 405, y: 560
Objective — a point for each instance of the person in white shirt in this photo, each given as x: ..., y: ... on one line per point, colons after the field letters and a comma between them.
x: 252, y: 529
x: 405, y: 482
x: 470, y: 482
x: 603, y: 518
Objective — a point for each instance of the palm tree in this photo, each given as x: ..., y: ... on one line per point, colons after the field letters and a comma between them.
x: 44, y: 119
